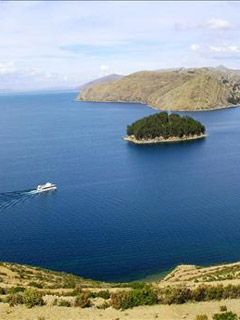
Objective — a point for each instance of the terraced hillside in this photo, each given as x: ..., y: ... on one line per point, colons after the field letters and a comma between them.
x: 185, y: 293
x: 180, y: 89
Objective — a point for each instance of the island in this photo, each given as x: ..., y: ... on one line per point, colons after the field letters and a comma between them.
x: 162, y: 127
x: 193, y: 89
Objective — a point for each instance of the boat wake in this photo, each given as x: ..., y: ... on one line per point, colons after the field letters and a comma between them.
x: 11, y: 199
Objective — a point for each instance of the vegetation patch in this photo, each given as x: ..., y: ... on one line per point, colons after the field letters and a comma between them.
x: 225, y: 316
x: 165, y: 126
x: 82, y: 300
x: 64, y: 303
x: 136, y: 297
x: 201, y: 317
x: 104, y: 294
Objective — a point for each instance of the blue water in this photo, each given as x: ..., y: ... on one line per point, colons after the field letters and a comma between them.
x: 121, y: 212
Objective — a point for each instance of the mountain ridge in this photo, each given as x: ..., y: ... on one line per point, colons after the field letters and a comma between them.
x: 105, y: 79
x: 191, y: 89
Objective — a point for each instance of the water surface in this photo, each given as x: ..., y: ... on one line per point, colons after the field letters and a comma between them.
x: 122, y: 211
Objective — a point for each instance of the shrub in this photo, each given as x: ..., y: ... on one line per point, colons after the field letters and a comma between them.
x: 223, y: 308
x: 199, y: 294
x: 64, y: 303
x: 35, y: 284
x: 15, y: 299
x: 17, y: 289
x: 201, y: 317
x: 136, y: 297
x: 214, y: 293
x: 105, y: 294
x: 225, y: 316
x: 69, y: 283
x: 3, y: 291
x: 233, y: 99
x: 32, y: 297
x: 176, y: 295
x: 104, y: 305
x: 76, y: 291
x: 82, y: 300
x: 117, y: 299
x: 202, y: 293
x: 137, y: 285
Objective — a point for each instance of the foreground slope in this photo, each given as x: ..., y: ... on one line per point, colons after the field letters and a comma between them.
x: 181, y: 89
x: 65, y: 296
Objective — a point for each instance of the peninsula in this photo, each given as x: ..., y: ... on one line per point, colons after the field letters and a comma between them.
x: 194, y: 89
x: 162, y: 128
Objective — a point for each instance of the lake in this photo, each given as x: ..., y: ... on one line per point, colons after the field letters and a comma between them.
x: 121, y: 212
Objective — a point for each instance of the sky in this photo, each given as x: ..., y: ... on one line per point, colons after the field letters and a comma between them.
x: 64, y: 44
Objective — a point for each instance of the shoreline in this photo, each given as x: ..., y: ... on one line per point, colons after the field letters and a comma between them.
x: 132, y: 139
x: 230, y: 106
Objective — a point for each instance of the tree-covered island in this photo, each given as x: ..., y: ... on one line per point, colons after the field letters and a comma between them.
x: 162, y: 127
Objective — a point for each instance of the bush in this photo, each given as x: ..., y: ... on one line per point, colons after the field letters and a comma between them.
x: 201, y: 317
x: 82, y: 300
x: 202, y: 293
x: 233, y: 99
x: 199, y: 294
x: 137, y: 297
x: 15, y: 299
x: 214, y: 293
x: 117, y: 299
x: 32, y: 297
x: 105, y: 294
x: 3, y: 291
x: 35, y: 284
x: 137, y: 285
x: 225, y: 316
x: 223, y: 308
x: 76, y: 291
x: 176, y: 295
x: 69, y: 283
x: 104, y: 305
x: 64, y: 303
x: 17, y: 289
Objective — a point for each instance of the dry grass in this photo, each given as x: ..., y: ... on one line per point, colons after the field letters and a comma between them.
x: 182, y: 89
x: 59, y: 297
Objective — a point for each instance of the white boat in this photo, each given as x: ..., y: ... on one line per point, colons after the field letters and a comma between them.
x: 46, y: 187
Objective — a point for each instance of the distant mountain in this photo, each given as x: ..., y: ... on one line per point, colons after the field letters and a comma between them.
x: 106, y: 79
x: 174, y: 89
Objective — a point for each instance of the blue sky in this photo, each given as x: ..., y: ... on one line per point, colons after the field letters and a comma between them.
x: 46, y: 44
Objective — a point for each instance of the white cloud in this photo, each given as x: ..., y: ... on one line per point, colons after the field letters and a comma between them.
x: 7, y: 67
x: 225, y: 49
x: 216, y: 23
x: 102, y: 37
x: 195, y: 47
x: 104, y: 68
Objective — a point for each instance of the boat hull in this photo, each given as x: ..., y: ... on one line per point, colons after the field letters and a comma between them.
x: 46, y: 189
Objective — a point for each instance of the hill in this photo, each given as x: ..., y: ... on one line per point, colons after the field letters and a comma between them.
x: 180, y: 89
x: 34, y: 293
x: 106, y: 79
